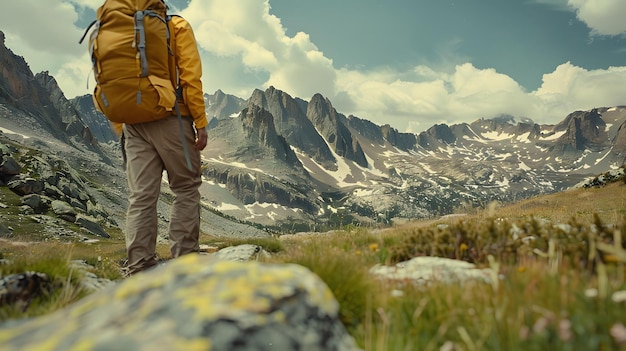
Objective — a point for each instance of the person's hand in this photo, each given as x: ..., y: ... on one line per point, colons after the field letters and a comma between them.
x: 201, y: 139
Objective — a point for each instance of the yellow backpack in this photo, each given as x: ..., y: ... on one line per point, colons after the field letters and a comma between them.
x: 133, y: 62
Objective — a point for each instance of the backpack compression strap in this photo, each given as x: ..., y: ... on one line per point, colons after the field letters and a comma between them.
x: 140, y: 32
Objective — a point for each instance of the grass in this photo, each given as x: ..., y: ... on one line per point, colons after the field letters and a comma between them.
x: 554, y: 292
x: 558, y: 259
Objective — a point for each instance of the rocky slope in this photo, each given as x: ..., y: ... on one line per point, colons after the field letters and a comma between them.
x: 281, y: 161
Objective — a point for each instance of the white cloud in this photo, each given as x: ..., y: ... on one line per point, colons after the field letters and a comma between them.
x: 604, y: 17
x: 571, y: 88
x: 246, y: 30
x: 47, y: 38
x: 467, y: 93
x: 470, y: 93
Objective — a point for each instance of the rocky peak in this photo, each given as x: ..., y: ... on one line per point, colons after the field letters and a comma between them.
x: 583, y: 129
x: 40, y: 100
x: 74, y: 126
x: 16, y: 85
x: 436, y: 136
x: 509, y: 125
x: 221, y: 105
x: 332, y: 126
x: 292, y: 123
x: 620, y: 141
x: 404, y: 141
x: 258, y: 124
x: 366, y: 128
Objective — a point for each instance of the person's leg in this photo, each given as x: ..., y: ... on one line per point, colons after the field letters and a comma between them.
x: 184, y: 227
x: 144, y: 170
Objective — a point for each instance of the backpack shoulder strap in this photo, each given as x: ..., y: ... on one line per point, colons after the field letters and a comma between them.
x: 172, y: 60
x: 87, y: 31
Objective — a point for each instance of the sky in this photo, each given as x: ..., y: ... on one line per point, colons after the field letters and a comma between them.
x: 407, y: 63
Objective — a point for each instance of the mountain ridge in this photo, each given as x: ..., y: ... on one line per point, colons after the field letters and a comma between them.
x: 282, y: 161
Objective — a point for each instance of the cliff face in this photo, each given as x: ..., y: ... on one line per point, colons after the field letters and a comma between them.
x: 292, y: 123
x: 583, y: 130
x: 97, y: 122
x: 40, y: 98
x: 332, y: 127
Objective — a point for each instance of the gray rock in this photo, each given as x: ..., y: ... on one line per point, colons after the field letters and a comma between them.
x: 52, y: 191
x: 432, y: 269
x: 8, y: 166
x: 89, y: 280
x: 91, y: 225
x: 64, y: 210
x: 78, y: 204
x: 5, y: 232
x: 195, y: 302
x: 27, y: 210
x: 38, y: 203
x: 244, y: 252
x: 20, y: 289
x: 24, y: 186
x: 62, y: 207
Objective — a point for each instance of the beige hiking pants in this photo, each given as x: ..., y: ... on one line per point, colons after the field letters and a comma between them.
x: 151, y: 148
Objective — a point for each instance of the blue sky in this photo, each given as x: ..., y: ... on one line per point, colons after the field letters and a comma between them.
x: 407, y: 63
x: 520, y: 38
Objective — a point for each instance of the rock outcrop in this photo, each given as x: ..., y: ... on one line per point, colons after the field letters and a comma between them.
x: 97, y: 122
x: 47, y: 184
x: 221, y: 105
x: 292, y: 123
x: 36, y: 101
x: 195, y: 303
x: 331, y: 126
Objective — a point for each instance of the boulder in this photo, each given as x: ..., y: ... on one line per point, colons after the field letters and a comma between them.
x: 195, y: 302
x: 91, y: 225
x: 5, y: 232
x: 427, y: 269
x: 63, y: 210
x: 38, y: 203
x: 9, y: 167
x: 24, y: 185
x: 21, y: 288
x: 245, y: 252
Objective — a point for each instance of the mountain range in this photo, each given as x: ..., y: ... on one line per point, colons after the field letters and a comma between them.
x: 284, y: 162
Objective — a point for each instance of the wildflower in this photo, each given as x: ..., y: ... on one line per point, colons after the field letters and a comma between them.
x: 463, y: 247
x: 591, y: 293
x: 374, y: 247
x: 397, y: 293
x: 447, y: 346
x: 565, y: 329
x: 619, y: 296
x: 521, y: 269
x: 618, y: 332
x: 524, y: 333
x: 540, y: 325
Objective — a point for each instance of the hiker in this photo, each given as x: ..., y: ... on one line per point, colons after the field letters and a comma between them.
x: 155, y: 146
x: 150, y: 147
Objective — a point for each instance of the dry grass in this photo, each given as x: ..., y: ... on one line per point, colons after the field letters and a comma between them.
x: 545, y: 298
